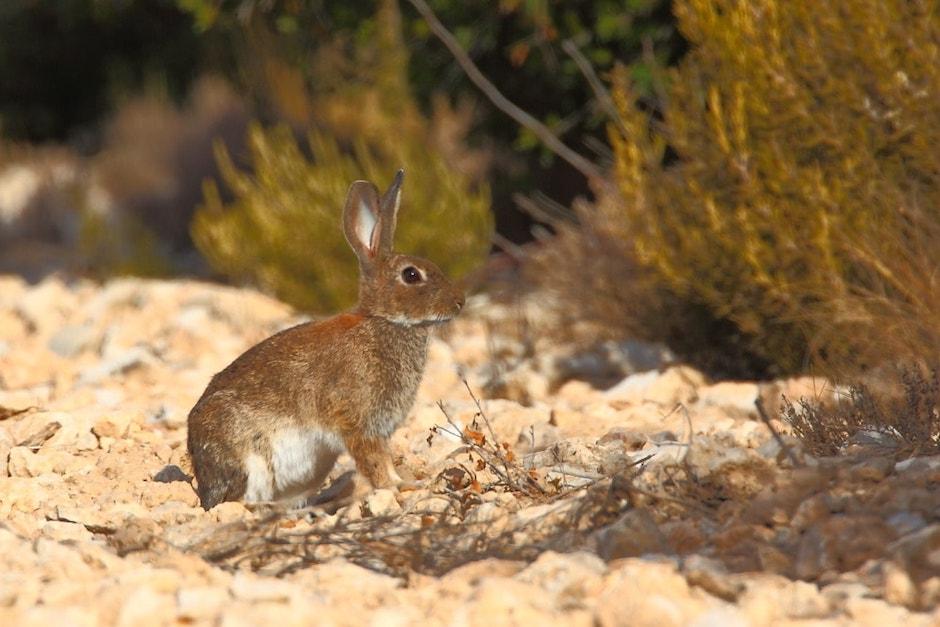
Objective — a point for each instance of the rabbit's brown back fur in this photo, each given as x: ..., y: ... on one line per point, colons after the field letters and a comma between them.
x: 330, y: 388
x: 270, y: 425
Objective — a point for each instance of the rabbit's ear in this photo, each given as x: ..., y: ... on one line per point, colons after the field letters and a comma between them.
x: 389, y: 204
x: 361, y: 221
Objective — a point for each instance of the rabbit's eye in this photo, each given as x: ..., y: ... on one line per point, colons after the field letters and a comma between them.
x: 411, y: 275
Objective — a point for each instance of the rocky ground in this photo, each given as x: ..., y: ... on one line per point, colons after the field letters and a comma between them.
x: 600, y: 486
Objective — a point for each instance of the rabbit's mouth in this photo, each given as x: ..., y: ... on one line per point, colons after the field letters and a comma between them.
x: 421, y: 322
x: 433, y: 322
x: 442, y: 319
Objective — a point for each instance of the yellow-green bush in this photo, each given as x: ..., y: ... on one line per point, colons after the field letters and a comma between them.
x: 283, y: 229
x: 791, y: 185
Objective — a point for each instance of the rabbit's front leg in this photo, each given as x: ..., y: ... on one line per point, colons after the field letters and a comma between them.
x: 374, y: 460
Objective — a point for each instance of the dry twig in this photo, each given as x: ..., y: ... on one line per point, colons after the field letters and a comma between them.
x: 580, y: 163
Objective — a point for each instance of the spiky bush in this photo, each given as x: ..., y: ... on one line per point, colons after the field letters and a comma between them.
x: 906, y: 417
x: 792, y: 183
x: 283, y: 229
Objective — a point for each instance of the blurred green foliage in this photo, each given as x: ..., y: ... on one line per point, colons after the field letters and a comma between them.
x: 283, y: 230
x: 801, y: 197
x: 516, y: 43
x: 50, y: 92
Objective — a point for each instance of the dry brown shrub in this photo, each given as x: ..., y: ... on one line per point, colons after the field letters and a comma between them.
x: 434, y: 540
x: 905, y: 419
x: 787, y: 187
x: 602, y: 291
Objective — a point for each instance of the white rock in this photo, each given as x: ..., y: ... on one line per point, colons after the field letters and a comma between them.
x: 54, y: 429
x: 72, y: 340
x: 381, y: 502
x: 116, y: 364
x: 676, y: 385
x: 24, y: 462
x: 255, y: 588
x: 731, y: 395
x: 919, y: 462
x: 62, y: 531
x: 487, y: 513
x: 568, y: 577
x: 144, y: 607
x: 201, y: 602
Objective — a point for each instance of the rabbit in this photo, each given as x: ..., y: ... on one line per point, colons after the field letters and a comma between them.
x: 269, y: 427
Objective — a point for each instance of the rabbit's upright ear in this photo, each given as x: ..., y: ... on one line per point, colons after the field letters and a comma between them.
x: 388, y: 205
x: 362, y: 219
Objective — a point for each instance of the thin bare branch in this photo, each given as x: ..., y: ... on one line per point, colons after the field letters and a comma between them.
x: 547, y: 137
x: 762, y: 412
x: 600, y: 92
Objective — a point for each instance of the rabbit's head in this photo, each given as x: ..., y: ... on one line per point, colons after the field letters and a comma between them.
x: 400, y: 288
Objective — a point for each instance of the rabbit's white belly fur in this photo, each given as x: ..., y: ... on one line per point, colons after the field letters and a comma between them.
x: 300, y: 461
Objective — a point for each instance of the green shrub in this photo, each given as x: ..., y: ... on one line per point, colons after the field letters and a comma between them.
x: 791, y: 183
x: 284, y: 231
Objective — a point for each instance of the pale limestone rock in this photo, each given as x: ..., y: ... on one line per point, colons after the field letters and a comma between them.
x: 876, y: 613
x: 770, y: 598
x: 382, y: 502
x: 654, y: 594
x: 63, y: 531
x: 441, y: 375
x: 112, y: 426
x: 54, y: 429
x: 73, y: 339
x: 576, y: 393
x: 500, y: 601
x: 88, y: 516
x: 201, y: 602
x: 157, y: 493
x: 115, y: 433
x: 736, y: 395
x: 35, y: 428
x: 26, y: 495
x: 398, y: 616
x: 678, y: 384
x: 899, y: 589
x: 537, y: 437
x: 253, y: 589
x: 425, y: 501
x: 334, y: 579
x: 25, y: 463
x: 44, y: 616
x: 46, y: 305
x: 145, y: 607
x: 572, y: 579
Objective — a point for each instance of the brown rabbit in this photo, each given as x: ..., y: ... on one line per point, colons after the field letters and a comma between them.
x: 270, y: 426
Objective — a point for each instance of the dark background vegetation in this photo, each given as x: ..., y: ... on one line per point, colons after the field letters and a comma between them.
x: 766, y: 200
x: 69, y: 64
